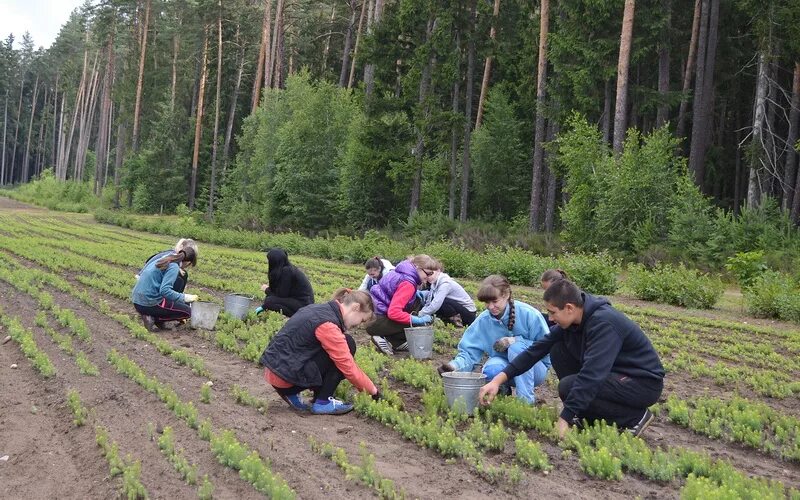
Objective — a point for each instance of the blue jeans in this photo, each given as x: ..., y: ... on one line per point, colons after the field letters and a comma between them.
x: 524, y: 383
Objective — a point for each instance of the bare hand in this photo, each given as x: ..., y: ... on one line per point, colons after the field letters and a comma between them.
x: 562, y: 426
x: 264, y: 287
x: 487, y: 393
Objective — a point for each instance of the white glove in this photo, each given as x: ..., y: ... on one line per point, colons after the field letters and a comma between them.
x: 188, y: 297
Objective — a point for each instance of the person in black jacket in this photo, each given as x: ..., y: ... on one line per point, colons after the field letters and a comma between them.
x: 607, y: 367
x: 288, y: 289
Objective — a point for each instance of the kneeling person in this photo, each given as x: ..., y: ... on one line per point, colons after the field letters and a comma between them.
x: 607, y: 367
x: 312, y: 351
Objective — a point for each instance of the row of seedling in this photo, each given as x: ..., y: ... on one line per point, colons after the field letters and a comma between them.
x: 176, y: 457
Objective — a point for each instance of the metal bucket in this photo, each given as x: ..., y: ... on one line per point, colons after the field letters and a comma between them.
x: 237, y: 305
x: 461, y: 390
x: 204, y: 315
x: 420, y: 341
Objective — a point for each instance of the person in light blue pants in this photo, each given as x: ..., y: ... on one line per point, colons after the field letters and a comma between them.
x: 524, y: 383
x: 505, y: 329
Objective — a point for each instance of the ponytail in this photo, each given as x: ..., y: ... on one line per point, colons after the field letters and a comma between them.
x: 185, y: 255
x: 512, y: 314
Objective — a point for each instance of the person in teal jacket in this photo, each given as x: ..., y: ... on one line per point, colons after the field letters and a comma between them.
x: 154, y: 296
x: 505, y: 329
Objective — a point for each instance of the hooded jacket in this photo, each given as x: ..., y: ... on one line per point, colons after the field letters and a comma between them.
x: 605, y: 341
x: 446, y: 287
x: 286, y: 280
x: 368, y: 281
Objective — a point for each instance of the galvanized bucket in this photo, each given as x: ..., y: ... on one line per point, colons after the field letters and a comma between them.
x: 420, y: 341
x: 237, y: 305
x: 461, y: 390
x: 204, y: 315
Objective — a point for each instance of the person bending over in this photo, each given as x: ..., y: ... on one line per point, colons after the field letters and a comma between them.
x: 154, y: 296
x: 288, y: 289
x: 607, y: 367
x: 376, y: 268
x: 504, y: 330
x: 395, y: 298
x: 312, y: 351
x: 447, y: 299
x: 183, y: 274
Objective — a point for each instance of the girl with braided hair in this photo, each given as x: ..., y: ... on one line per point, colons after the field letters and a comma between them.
x: 505, y: 329
x: 154, y: 297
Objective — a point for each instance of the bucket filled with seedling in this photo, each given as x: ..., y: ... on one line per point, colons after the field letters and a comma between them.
x: 237, y: 304
x: 204, y: 315
x: 461, y: 390
x: 420, y: 341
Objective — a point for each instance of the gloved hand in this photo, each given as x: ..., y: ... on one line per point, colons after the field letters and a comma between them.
x: 421, y: 320
x: 421, y: 294
x: 377, y: 396
x: 259, y: 310
x: 501, y: 345
x: 445, y: 368
x: 188, y: 297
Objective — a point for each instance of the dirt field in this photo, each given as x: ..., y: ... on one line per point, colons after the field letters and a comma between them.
x: 49, y: 456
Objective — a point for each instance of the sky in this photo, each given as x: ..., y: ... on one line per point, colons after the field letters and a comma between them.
x: 42, y: 18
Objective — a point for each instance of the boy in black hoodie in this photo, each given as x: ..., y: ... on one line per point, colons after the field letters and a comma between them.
x: 607, y: 367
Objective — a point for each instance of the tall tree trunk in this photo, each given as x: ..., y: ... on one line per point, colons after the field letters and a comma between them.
x: 56, y: 124
x: 5, y: 128
x: 37, y: 161
x: 623, y: 65
x: 86, y: 121
x: 348, y: 41
x: 280, y: 41
x: 234, y: 100
x: 80, y: 97
x: 13, y: 164
x: 451, y: 207
x: 109, y: 133
x: 466, y: 160
x: 369, y: 69
x: 119, y: 152
x: 274, y: 59
x: 689, y: 71
x: 754, y: 187
x: 791, y: 138
x: 539, y: 127
x: 176, y: 47
x: 105, y: 118
x: 140, y: 80
x: 702, y: 41
x: 737, y: 187
x: 662, y: 114
x: 487, y: 66
x: 217, y: 104
x: 701, y: 122
x: 327, y: 49
x: 24, y: 172
x: 263, y: 62
x: 198, y: 125
x: 552, y: 181
x: 60, y: 150
x: 355, y: 48
x: 422, y: 124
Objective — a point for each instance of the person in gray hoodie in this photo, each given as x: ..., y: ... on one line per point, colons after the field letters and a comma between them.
x: 447, y: 299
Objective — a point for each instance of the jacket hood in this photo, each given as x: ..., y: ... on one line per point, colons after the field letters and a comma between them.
x: 277, y: 258
x: 592, y: 303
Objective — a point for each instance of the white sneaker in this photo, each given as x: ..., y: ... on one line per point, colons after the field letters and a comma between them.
x: 383, y: 345
x: 402, y: 347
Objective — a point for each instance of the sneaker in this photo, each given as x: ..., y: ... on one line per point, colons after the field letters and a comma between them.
x: 383, y: 345
x: 149, y: 322
x: 402, y: 347
x: 166, y: 325
x: 332, y: 407
x: 295, y: 402
x: 643, y: 424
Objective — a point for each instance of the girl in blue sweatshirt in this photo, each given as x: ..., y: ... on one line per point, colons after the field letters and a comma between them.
x: 154, y: 296
x: 503, y: 330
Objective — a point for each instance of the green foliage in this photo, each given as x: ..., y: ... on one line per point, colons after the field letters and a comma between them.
x: 132, y: 487
x: 530, y: 454
x: 500, y: 160
x: 78, y: 410
x: 72, y: 196
x: 241, y: 396
x: 205, y: 393
x: 675, y: 285
x: 774, y: 295
x: 746, y: 267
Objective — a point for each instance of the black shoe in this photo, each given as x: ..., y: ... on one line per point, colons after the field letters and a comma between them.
x: 149, y: 322
x: 643, y: 424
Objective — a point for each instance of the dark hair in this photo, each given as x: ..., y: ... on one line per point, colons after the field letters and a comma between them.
x: 554, y: 274
x: 562, y: 292
x: 185, y: 255
x: 374, y: 263
x: 492, y: 288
